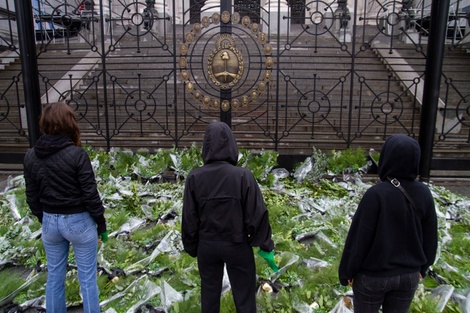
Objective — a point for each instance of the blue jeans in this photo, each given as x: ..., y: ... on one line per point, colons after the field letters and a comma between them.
x: 58, y: 231
x: 393, y: 293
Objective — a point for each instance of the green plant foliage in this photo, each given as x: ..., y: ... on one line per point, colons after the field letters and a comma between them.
x: 122, y: 253
x: 147, y: 236
x: 326, y: 188
x: 423, y: 302
x: 35, y: 290
x: 186, y: 159
x: 259, y: 164
x: 16, y: 245
x: 153, y: 164
x: 11, y: 280
x: 349, y: 159
x: 375, y: 156
x: 312, y: 169
x: 310, y: 216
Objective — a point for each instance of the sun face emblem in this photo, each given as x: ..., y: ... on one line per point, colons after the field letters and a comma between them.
x: 225, y: 63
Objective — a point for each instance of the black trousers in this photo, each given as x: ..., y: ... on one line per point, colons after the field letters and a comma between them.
x: 240, y: 262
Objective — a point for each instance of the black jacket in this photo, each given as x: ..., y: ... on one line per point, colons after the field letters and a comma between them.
x: 60, y: 179
x: 387, y: 237
x: 223, y: 201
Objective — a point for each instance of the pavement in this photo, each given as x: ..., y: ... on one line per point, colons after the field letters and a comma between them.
x: 459, y: 187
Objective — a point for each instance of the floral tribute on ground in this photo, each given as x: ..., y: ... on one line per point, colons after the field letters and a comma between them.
x: 142, y: 267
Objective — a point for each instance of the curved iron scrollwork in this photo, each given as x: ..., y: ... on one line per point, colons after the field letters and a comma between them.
x: 463, y: 111
x: 4, y: 108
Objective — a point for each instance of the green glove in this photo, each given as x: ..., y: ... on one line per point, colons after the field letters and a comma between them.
x: 269, y: 257
x: 104, y: 236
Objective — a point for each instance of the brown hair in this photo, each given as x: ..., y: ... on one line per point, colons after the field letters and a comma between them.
x: 58, y: 118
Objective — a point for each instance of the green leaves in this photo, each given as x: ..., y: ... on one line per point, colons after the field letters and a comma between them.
x: 310, y: 218
x: 260, y: 164
x: 352, y: 159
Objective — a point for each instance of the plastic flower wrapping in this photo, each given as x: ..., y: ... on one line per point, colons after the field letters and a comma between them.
x: 143, y: 268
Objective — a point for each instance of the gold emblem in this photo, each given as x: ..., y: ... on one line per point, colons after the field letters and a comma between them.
x: 225, y: 17
x: 225, y: 66
x: 235, y: 104
x: 262, y: 86
x: 215, y: 18
x: 206, y: 101
x: 236, y: 18
x: 268, y: 49
x: 246, y: 21
x: 184, y: 75
x: 183, y: 63
x: 190, y: 87
x: 225, y: 105
x: 269, y: 63
x: 184, y: 49
x: 262, y: 38
x: 197, y: 28
x: 225, y: 63
x: 245, y: 101
x: 206, y: 21
x: 189, y: 37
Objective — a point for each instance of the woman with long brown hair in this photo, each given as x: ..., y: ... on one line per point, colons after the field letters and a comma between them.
x: 61, y: 192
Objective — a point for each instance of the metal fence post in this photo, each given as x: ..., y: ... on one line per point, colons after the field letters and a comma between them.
x: 432, y: 82
x: 226, y: 116
x: 29, y: 66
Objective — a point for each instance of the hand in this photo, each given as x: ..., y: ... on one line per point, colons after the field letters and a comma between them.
x: 103, y: 237
x: 350, y: 282
x: 269, y: 257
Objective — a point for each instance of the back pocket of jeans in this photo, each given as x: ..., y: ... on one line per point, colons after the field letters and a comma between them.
x: 79, y: 223
x: 374, y: 283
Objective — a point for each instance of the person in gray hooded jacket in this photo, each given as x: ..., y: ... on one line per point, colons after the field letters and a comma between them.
x: 391, y: 244
x: 224, y: 216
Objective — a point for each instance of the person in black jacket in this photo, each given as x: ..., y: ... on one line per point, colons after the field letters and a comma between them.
x: 61, y: 192
x: 224, y: 216
x: 391, y: 244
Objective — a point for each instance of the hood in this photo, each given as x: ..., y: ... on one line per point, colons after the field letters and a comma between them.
x: 49, y: 144
x: 399, y: 158
x: 219, y: 144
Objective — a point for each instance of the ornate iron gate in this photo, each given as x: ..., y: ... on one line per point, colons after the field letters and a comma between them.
x: 151, y: 74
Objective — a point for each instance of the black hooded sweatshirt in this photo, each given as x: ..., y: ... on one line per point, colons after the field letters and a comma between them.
x: 60, y: 180
x: 223, y: 202
x: 387, y: 236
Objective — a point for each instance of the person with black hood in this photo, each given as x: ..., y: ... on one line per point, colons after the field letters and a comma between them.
x: 61, y: 192
x: 391, y: 243
x: 224, y: 216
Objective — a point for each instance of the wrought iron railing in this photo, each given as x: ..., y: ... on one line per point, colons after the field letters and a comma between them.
x: 146, y: 74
